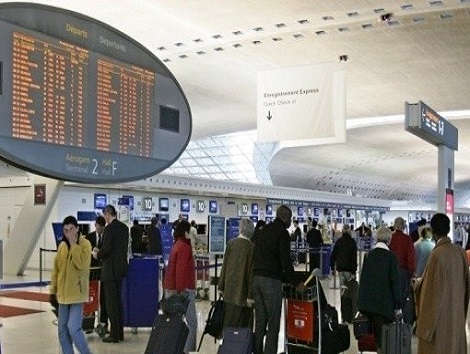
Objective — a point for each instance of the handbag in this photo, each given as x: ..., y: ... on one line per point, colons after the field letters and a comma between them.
x: 215, y: 319
x: 362, y: 325
x: 175, y: 304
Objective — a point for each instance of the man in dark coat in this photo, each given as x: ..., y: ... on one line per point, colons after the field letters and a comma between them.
x: 344, y: 256
x: 379, y: 288
x: 315, y: 241
x: 154, y: 238
x: 113, y: 269
x: 136, y: 237
x: 272, y: 266
x: 96, y: 241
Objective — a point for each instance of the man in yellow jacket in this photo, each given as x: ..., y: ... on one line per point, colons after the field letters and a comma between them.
x: 69, y: 286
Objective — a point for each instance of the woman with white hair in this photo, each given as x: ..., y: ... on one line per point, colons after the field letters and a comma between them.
x: 236, y: 278
x: 379, y: 287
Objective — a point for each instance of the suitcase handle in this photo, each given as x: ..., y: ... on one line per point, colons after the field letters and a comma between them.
x: 315, y: 273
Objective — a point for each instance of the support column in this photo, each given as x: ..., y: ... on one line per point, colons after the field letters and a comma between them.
x: 445, y: 179
x: 29, y: 225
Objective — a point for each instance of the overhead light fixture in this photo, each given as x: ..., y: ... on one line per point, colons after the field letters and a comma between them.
x: 386, y: 17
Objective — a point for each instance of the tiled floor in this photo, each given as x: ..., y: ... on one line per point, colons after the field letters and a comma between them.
x: 36, y: 333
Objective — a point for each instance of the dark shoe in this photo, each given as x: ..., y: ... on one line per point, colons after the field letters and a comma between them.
x: 110, y: 340
x: 101, y: 329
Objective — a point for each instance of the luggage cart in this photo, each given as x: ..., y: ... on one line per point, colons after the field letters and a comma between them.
x: 91, y: 307
x: 303, y: 317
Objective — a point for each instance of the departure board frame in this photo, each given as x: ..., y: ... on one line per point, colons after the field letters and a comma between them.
x: 81, y: 101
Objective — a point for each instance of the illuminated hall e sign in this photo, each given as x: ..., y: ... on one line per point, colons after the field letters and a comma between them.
x: 81, y: 101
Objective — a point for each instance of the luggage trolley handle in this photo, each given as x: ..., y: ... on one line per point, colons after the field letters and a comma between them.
x: 317, y: 273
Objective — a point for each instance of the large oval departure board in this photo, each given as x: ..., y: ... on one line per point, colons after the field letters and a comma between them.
x: 81, y: 101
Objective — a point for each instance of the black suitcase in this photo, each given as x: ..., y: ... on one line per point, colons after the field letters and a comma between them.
x: 349, y: 301
x: 168, y: 336
x: 336, y: 341
x: 236, y: 341
x: 396, y: 338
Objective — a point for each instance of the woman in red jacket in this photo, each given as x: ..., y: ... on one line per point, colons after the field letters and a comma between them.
x: 180, y: 276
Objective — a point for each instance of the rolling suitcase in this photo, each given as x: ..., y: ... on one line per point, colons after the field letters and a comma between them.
x: 335, y: 341
x: 396, y: 338
x: 236, y: 341
x: 168, y: 336
x: 367, y: 343
x: 349, y: 301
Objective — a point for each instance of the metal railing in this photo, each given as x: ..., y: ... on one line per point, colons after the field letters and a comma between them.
x: 41, y: 260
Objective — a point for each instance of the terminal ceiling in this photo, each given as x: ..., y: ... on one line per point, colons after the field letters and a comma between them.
x: 215, y: 49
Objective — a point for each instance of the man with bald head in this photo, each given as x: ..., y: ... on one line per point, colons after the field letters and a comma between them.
x: 271, y: 266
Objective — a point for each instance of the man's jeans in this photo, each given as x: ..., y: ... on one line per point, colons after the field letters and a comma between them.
x: 70, y: 329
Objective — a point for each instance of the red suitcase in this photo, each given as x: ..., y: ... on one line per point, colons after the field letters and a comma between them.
x: 367, y: 343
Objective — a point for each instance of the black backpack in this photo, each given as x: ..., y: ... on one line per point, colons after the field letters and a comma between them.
x: 215, y: 319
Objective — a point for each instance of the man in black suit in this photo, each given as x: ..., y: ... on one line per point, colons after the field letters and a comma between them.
x: 315, y: 242
x: 113, y: 269
x: 96, y: 240
x: 154, y: 238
